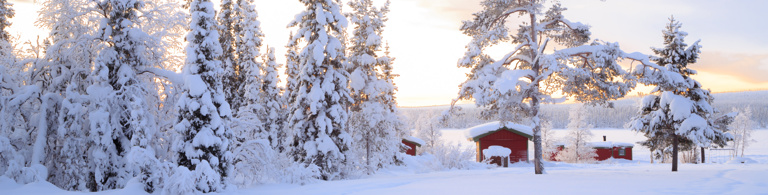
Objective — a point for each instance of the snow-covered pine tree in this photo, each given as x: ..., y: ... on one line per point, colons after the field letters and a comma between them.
x: 518, y: 83
x: 742, y: 129
x: 578, y: 149
x: 203, y: 141
x: 274, y: 103
x: 6, y: 13
x: 318, y: 116
x: 292, y: 68
x: 678, y: 109
x: 116, y: 102
x: 247, y: 42
x: 373, y: 122
x: 7, y: 83
x: 229, y: 30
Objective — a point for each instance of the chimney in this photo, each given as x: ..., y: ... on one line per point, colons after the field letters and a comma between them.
x: 603, y: 137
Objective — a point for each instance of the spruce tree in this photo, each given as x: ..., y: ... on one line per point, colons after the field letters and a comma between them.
x: 291, y: 71
x: 229, y: 31
x: 203, y: 141
x: 318, y: 116
x: 678, y: 110
x: 274, y: 103
x: 373, y: 119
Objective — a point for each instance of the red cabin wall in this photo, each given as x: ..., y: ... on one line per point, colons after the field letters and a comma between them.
x: 603, y: 153
x: 517, y: 143
x: 627, y: 154
x: 411, y: 151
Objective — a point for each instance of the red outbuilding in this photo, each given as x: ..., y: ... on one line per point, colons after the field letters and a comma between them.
x: 616, y: 150
x: 412, y: 143
x: 508, y: 135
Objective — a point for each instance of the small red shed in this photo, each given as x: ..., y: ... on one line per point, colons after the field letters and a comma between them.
x: 412, y: 143
x: 606, y: 150
x: 508, y: 135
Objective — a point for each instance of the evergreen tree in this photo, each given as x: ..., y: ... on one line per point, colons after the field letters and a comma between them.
x: 230, y: 28
x: 273, y: 103
x: 516, y: 85
x: 247, y: 43
x: 291, y: 71
x: 373, y: 122
x: 203, y: 141
x: 318, y: 116
x: 678, y: 110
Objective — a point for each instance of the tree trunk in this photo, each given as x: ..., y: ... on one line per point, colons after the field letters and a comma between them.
x: 703, y: 160
x: 674, y: 153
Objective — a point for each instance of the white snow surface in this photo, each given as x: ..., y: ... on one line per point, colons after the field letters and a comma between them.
x: 493, y: 126
x: 624, y: 177
x: 415, y: 140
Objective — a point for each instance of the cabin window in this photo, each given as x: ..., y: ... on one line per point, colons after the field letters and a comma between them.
x: 622, y: 152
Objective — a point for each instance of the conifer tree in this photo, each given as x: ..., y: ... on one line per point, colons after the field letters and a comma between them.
x: 203, y: 141
x: 373, y: 121
x: 273, y: 103
x: 230, y: 30
x: 318, y: 116
x: 291, y: 71
x: 678, y: 110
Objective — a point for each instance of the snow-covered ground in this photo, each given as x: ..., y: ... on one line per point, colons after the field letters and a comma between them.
x: 622, y: 177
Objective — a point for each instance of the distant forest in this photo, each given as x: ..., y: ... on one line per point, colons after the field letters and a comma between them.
x: 599, y: 117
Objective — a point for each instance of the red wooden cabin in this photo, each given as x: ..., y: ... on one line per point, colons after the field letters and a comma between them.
x: 412, y: 143
x: 616, y: 150
x: 509, y: 135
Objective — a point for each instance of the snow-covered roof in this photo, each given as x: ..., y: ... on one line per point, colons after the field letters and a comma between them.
x: 415, y: 140
x: 611, y: 144
x: 482, y: 130
x: 496, y: 151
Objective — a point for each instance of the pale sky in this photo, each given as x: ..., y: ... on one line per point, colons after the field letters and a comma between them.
x: 425, y: 39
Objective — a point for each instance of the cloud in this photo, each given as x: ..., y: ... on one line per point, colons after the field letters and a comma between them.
x: 748, y: 67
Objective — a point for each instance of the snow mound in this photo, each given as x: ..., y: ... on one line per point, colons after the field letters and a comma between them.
x: 497, y: 151
x: 611, y: 144
x: 741, y: 160
x: 475, y: 131
x: 415, y: 140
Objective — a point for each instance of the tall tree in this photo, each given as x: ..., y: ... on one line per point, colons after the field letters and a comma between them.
x: 247, y: 41
x: 678, y: 109
x: 517, y: 84
x: 291, y: 71
x: 274, y: 103
x: 373, y: 121
x: 203, y: 141
x: 318, y: 116
x: 230, y: 29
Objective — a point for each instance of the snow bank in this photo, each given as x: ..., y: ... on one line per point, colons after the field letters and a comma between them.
x: 415, y: 140
x: 475, y: 131
x: 497, y: 151
x: 611, y: 144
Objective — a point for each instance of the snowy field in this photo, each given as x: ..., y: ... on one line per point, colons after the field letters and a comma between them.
x: 617, y: 177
